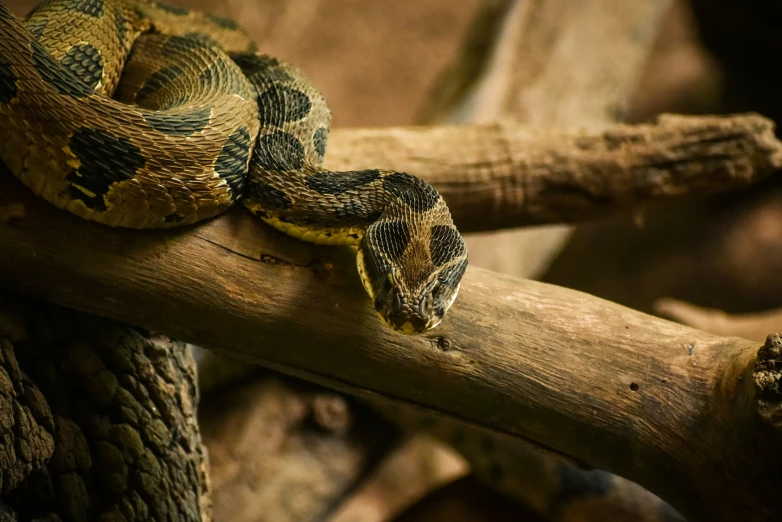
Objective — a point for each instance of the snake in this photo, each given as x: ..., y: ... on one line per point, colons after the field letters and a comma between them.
x: 142, y: 115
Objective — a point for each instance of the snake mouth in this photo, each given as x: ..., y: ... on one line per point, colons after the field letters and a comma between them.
x: 408, y: 321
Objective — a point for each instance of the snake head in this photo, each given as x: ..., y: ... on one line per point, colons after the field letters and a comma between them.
x: 412, y: 274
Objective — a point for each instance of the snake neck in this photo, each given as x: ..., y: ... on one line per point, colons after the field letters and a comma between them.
x: 410, y: 256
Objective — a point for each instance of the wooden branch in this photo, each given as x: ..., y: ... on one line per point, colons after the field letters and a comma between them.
x: 638, y: 396
x: 755, y: 326
x: 545, y: 62
x: 505, y: 175
x: 118, y: 409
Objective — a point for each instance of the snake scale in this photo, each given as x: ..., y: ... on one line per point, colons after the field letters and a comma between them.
x: 136, y: 114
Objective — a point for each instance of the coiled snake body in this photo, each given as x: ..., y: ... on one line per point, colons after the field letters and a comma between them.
x: 135, y: 114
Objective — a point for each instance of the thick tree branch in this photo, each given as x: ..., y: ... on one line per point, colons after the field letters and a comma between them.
x: 755, y: 326
x: 506, y: 175
x: 103, y: 421
x: 632, y: 394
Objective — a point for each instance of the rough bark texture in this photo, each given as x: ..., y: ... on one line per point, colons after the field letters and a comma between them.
x: 116, y: 407
x: 281, y: 447
x: 609, y: 386
x: 554, y: 487
x: 26, y: 424
x: 498, y: 175
x: 768, y: 376
x: 291, y: 20
x: 722, y: 252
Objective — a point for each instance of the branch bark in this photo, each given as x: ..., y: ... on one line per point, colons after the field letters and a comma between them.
x: 754, y: 326
x: 103, y: 422
x: 606, y: 385
x: 547, y: 63
x: 499, y: 175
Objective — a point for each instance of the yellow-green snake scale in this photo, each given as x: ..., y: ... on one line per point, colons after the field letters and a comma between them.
x: 136, y: 114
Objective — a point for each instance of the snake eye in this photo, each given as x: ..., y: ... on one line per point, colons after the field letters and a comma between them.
x: 388, y: 284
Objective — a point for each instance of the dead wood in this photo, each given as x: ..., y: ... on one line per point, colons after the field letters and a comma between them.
x: 26, y: 424
x: 603, y: 384
x: 546, y: 62
x: 721, y: 252
x: 102, y: 420
x: 724, y: 252
x: 294, y: 451
x: 755, y: 326
x: 512, y: 175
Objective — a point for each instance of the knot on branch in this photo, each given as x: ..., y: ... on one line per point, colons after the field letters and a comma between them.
x: 768, y: 368
x: 767, y: 375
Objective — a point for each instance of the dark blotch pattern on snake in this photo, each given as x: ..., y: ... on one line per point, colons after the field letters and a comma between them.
x: 136, y: 114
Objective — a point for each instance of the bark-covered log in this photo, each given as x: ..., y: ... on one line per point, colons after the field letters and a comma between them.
x: 755, y: 326
x: 632, y: 394
x: 554, y: 487
x: 103, y: 424
x: 26, y: 424
x: 499, y: 175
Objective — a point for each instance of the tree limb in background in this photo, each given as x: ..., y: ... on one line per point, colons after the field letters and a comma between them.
x: 755, y: 326
x: 546, y: 63
x: 638, y: 396
x: 497, y: 176
x: 282, y: 450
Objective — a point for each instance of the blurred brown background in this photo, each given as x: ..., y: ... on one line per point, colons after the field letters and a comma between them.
x: 373, y: 62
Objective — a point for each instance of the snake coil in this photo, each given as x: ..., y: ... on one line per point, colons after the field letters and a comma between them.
x: 136, y: 114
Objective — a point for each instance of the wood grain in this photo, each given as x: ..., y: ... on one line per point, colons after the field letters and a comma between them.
x: 639, y: 396
x: 506, y: 175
